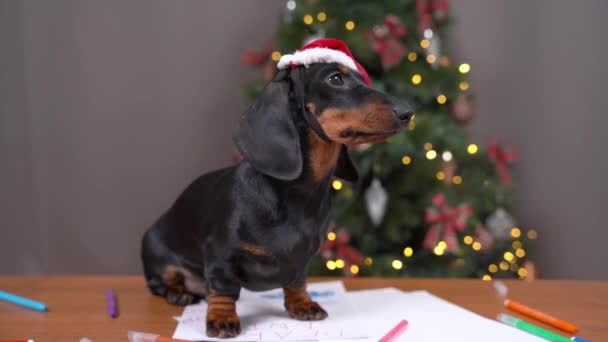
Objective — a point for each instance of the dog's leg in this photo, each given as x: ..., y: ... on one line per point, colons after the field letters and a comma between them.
x: 181, y: 287
x: 222, y: 320
x: 299, y: 305
x: 224, y: 290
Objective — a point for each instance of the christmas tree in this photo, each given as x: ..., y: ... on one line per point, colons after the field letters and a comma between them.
x: 429, y: 202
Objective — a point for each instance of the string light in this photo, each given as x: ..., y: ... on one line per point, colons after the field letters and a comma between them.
x: 446, y: 156
x: 428, y: 33
x: 331, y: 236
x: 425, y: 43
x: 486, y: 277
x: 406, y: 160
x: 412, y: 56
x: 291, y: 5
x: 503, y: 265
x: 522, y: 272
x: 464, y: 85
x: 416, y: 79
x: 339, y: 263
x: 456, y: 180
x: 532, y: 234
x: 516, y: 244
x: 442, y: 245
x: 493, y: 268
x: 476, y: 245
x: 431, y: 59
x: 464, y: 68
x: 509, y: 256
x: 412, y: 124
x: 427, y: 146
x: 408, y: 252
x: 515, y: 232
x: 308, y: 19
x: 438, y: 251
x: 336, y: 184
x: 431, y: 154
x: 276, y: 55
x: 397, y: 264
x: 354, y: 269
x: 441, y: 99
x: 331, y: 265
x: 520, y: 252
x: 472, y: 149
x: 321, y: 16
x: 440, y: 175
x: 468, y: 240
x: 350, y: 25
x: 368, y: 261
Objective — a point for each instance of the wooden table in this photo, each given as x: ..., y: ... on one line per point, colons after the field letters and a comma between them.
x: 77, y: 306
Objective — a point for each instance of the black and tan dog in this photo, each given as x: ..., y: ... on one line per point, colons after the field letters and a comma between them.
x: 256, y: 225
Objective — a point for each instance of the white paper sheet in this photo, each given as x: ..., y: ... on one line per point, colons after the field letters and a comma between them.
x: 263, y: 317
x: 430, y: 318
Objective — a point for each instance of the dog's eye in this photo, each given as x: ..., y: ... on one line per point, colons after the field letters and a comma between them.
x: 336, y: 80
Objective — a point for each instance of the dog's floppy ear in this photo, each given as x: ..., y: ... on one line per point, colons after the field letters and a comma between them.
x: 267, y: 136
x: 345, y: 169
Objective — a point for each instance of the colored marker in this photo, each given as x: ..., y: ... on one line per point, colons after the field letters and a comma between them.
x: 28, y: 303
x: 395, y: 332
x: 137, y: 336
x: 532, y: 329
x: 112, y: 304
x: 540, y: 316
x: 578, y: 339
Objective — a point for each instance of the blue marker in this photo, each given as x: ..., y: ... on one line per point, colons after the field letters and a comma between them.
x: 578, y: 339
x: 28, y: 303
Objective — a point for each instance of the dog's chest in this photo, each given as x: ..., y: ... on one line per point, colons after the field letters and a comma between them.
x: 279, y: 251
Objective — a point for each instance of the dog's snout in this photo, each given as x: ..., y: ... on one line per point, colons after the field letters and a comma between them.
x: 403, y: 113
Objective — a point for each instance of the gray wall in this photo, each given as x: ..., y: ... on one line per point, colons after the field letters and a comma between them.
x: 109, y: 108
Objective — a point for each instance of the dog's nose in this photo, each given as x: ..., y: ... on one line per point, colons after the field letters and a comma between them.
x: 403, y: 113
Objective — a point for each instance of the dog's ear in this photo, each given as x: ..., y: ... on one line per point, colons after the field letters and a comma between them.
x: 345, y: 169
x: 267, y: 136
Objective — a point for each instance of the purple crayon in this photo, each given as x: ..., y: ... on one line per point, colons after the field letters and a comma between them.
x: 112, y: 305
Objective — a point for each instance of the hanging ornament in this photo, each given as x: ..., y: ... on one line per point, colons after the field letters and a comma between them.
x: 500, y: 223
x: 501, y: 157
x: 337, y: 247
x: 385, y: 40
x: 376, y: 200
x: 485, y: 238
x: 462, y: 109
x: 445, y: 222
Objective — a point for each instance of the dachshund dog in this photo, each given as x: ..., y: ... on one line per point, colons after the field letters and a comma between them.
x: 257, y: 224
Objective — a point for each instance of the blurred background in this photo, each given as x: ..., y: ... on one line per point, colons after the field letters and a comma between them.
x: 108, y: 109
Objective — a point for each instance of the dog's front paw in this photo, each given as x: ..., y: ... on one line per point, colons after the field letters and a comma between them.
x: 306, y: 311
x: 223, y: 324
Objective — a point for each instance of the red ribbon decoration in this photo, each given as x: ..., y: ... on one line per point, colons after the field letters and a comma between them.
x: 385, y: 40
x: 445, y: 221
x: 431, y: 12
x: 340, y: 248
x: 251, y: 57
x: 501, y: 157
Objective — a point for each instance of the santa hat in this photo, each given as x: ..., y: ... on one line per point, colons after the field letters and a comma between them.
x: 324, y: 50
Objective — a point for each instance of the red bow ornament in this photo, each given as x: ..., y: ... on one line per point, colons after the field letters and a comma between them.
x: 385, y: 40
x: 445, y: 221
x: 340, y: 248
x: 501, y: 157
x: 431, y: 12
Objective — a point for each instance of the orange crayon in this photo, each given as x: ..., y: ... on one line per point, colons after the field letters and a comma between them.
x: 540, y: 316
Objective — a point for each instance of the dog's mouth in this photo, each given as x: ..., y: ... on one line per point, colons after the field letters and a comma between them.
x: 353, y: 133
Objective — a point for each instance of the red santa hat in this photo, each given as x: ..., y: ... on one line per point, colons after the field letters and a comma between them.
x: 324, y: 50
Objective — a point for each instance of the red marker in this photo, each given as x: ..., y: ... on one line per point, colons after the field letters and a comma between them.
x: 395, y: 332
